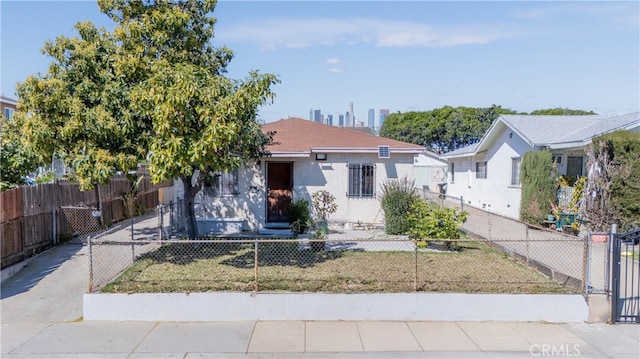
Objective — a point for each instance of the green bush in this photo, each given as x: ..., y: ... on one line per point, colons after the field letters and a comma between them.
x: 397, y: 197
x: 299, y: 216
x: 539, y: 186
x: 430, y: 221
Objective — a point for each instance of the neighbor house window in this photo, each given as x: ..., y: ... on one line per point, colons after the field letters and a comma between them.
x: 8, y: 113
x: 361, y: 180
x: 452, y: 170
x: 481, y: 169
x: 574, y: 167
x: 515, y: 171
x: 222, y: 184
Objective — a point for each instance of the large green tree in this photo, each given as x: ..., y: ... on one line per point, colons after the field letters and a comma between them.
x: 152, y: 89
x: 444, y: 129
x: 16, y: 159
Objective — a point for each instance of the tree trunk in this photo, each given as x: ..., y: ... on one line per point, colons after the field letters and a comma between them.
x: 188, y: 207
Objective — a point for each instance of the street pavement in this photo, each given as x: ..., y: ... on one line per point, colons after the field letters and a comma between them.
x: 41, y: 311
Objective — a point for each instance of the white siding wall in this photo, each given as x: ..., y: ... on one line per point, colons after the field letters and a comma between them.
x: 333, y: 174
x: 495, y: 193
x: 309, y: 176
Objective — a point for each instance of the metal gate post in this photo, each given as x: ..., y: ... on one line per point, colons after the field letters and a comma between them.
x: 90, y: 289
x: 615, y: 274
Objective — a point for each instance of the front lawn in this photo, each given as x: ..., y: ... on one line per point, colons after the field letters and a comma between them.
x: 215, y: 266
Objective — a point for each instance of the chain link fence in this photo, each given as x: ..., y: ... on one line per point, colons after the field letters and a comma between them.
x: 579, y: 255
x: 346, y: 264
x: 78, y: 221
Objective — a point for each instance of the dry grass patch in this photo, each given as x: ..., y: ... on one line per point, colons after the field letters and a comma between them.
x: 206, y: 267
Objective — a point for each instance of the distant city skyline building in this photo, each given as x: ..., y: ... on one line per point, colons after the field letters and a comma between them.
x: 384, y: 112
x: 372, y: 118
x: 348, y: 118
x: 351, y: 117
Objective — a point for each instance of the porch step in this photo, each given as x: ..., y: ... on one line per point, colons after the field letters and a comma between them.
x: 275, y: 231
x: 277, y: 225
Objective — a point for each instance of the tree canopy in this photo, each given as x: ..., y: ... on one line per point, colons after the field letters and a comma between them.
x: 17, y: 160
x: 151, y: 90
x: 562, y: 111
x: 449, y: 128
x: 443, y: 129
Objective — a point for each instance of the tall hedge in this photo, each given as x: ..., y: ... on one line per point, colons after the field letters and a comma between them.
x: 539, y: 186
x: 614, y: 180
x: 398, y: 195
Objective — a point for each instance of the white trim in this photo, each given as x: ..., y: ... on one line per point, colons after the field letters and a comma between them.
x: 289, y: 154
x: 366, y: 150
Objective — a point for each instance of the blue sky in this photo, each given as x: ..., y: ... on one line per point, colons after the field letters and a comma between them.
x: 403, y: 56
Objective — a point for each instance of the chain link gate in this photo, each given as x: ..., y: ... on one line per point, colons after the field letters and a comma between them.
x: 625, y: 291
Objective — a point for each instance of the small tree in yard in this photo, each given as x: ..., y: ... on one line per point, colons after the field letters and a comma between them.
x: 152, y: 90
x: 428, y: 221
x: 324, y: 204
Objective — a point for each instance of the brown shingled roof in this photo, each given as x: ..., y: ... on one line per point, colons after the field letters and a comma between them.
x: 295, y: 135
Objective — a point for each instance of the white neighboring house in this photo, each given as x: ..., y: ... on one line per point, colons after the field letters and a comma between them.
x: 430, y: 171
x: 306, y: 157
x: 487, y: 174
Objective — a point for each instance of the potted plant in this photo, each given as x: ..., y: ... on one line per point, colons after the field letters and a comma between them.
x: 324, y: 204
x: 299, y: 216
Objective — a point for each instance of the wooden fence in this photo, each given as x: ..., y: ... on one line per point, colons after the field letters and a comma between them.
x: 34, y: 218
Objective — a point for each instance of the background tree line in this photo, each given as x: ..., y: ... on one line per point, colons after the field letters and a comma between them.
x: 449, y: 128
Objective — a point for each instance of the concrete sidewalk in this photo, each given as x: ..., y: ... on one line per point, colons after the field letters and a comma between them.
x: 310, y: 339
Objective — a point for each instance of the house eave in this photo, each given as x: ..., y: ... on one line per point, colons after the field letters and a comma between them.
x: 364, y: 150
x: 457, y: 155
x: 281, y: 154
x: 567, y: 145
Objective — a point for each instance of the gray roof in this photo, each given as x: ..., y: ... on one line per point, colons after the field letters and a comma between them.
x: 552, y: 131
x: 462, y: 151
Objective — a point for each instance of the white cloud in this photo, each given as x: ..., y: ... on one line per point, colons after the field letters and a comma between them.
x: 277, y: 33
x: 333, y: 61
x: 336, y: 70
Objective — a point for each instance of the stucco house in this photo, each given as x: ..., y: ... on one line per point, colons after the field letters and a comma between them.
x: 487, y: 174
x: 306, y: 157
x: 430, y: 171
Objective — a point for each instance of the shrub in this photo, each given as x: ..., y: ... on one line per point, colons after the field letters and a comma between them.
x: 539, y: 186
x: 397, y: 197
x: 430, y: 221
x: 299, y: 216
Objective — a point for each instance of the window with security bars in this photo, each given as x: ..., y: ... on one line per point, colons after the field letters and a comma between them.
x: 361, y: 180
x: 222, y: 184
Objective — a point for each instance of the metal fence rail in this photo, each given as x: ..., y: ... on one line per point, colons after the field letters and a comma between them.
x: 345, y: 265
